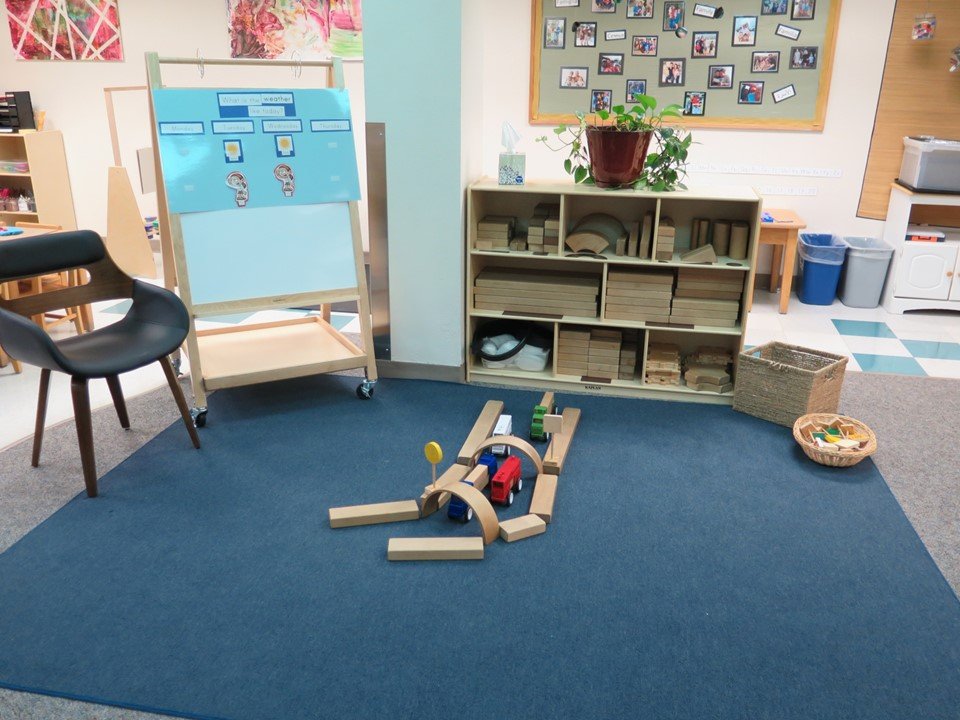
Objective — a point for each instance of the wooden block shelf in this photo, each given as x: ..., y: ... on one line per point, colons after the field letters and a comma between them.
x: 636, y: 296
x: 47, y: 182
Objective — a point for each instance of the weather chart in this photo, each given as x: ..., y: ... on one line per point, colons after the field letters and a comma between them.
x: 235, y: 149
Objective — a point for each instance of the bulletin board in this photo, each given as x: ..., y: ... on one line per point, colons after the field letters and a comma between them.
x: 763, y: 64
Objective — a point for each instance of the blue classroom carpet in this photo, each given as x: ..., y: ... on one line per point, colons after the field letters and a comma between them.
x: 698, y: 566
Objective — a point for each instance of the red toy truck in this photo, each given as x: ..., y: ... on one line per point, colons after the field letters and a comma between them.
x: 506, y: 481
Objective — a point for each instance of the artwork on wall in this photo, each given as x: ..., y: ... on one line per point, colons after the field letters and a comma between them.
x: 65, y: 29
x: 279, y: 28
x: 685, y: 54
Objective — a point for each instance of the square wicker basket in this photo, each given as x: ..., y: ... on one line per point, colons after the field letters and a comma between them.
x: 780, y: 382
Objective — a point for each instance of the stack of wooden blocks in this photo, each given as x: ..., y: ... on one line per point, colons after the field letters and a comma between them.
x: 707, y: 297
x: 642, y: 296
x: 543, y: 232
x: 603, y: 358
x: 628, y: 354
x: 494, y: 232
x: 663, y: 364
x: 666, y: 234
x: 706, y: 370
x: 637, y: 243
x: 536, y: 293
x: 573, y: 349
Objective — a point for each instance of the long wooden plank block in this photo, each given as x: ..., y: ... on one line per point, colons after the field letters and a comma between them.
x: 705, y: 322
x: 631, y: 293
x: 636, y: 317
x: 628, y: 276
x: 544, y: 497
x: 522, y: 527
x: 535, y: 302
x: 706, y: 303
x: 709, y: 294
x: 354, y: 515
x: 517, y: 292
x: 435, y: 548
x: 560, y: 442
x: 545, y: 309
x: 482, y: 429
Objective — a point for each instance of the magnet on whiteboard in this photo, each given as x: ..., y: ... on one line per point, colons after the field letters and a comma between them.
x: 284, y: 173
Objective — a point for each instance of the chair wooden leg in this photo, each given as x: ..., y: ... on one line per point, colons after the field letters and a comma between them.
x: 180, y: 399
x: 116, y: 392
x: 81, y: 411
x: 41, y: 416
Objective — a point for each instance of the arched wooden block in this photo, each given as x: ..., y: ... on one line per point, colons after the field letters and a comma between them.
x: 516, y: 443
x: 482, y: 509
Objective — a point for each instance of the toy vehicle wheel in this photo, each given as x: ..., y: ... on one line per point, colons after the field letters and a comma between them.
x: 510, y: 499
x: 519, y: 484
x: 468, y: 515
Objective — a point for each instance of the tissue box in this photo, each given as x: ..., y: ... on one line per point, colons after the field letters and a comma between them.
x: 512, y: 168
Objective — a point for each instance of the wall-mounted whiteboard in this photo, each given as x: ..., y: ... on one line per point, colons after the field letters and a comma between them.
x: 265, y: 252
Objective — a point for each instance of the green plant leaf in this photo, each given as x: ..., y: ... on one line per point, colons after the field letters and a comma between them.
x: 560, y: 130
x: 580, y: 174
x: 603, y: 114
x: 617, y: 109
x: 568, y: 165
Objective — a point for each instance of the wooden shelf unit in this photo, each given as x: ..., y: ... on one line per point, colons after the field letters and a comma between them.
x: 486, y: 197
x: 47, y: 180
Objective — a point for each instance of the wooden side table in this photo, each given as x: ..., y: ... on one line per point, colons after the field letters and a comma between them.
x: 782, y: 234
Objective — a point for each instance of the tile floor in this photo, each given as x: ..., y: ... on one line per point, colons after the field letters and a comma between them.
x: 915, y: 343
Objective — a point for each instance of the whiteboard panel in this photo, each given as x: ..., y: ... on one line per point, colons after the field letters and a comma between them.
x: 262, y: 252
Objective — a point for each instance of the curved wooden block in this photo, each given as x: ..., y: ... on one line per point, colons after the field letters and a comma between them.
x: 482, y: 509
x: 516, y: 443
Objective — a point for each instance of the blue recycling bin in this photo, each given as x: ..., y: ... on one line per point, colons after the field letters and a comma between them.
x: 821, y: 259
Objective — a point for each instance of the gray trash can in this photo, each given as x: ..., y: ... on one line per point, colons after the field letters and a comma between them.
x: 864, y: 271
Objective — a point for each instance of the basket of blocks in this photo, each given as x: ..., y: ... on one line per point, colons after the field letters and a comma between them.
x: 834, y: 440
x: 780, y: 382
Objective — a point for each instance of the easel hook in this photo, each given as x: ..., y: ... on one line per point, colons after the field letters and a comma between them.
x: 297, y: 57
x: 200, y: 67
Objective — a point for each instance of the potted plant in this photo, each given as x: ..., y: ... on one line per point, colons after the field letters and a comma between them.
x: 611, y: 149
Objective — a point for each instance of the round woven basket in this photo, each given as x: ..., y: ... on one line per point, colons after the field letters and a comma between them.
x: 834, y: 459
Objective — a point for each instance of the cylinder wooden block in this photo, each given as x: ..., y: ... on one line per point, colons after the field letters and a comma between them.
x: 739, y: 236
x: 721, y: 237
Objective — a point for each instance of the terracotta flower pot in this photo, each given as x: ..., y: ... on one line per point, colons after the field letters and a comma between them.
x: 616, y: 158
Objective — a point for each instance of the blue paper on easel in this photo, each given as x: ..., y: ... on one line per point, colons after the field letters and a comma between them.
x: 238, y: 149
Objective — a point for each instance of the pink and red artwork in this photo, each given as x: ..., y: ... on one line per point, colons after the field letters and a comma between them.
x: 65, y: 29
x: 280, y: 28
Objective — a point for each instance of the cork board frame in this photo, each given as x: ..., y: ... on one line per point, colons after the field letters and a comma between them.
x: 552, y: 52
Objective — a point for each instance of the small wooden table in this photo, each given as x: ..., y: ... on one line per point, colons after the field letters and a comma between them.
x: 782, y: 234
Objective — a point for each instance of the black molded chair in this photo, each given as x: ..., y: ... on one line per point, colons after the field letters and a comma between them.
x: 154, y: 327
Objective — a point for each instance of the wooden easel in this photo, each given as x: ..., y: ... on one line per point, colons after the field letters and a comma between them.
x: 248, y: 354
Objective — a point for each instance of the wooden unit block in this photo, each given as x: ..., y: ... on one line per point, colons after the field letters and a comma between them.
x: 637, y: 318
x: 704, y: 321
x: 646, y: 234
x: 707, y: 304
x: 556, y: 453
x: 635, y: 277
x: 374, y: 514
x: 453, y: 474
x: 544, y: 497
x: 710, y: 387
x: 522, y: 527
x: 699, y: 374
x: 482, y: 429
x: 700, y: 254
x: 566, y: 332
x: 618, y: 292
x: 435, y: 548
x: 633, y: 242
x: 683, y: 292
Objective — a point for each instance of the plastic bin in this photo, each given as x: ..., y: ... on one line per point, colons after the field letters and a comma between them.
x: 864, y: 271
x: 821, y: 258
x: 931, y: 163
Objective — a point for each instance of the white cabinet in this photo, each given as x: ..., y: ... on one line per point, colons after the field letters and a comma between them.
x: 926, y: 270
x: 923, y: 276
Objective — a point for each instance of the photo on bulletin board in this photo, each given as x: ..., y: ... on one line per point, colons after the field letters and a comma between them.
x: 640, y: 9
x: 697, y: 55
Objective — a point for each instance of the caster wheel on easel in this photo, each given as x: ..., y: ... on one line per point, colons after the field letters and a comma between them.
x: 365, y: 390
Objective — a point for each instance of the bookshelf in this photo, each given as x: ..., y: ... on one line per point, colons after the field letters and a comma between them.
x: 487, y: 198
x: 46, y: 179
